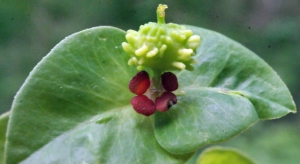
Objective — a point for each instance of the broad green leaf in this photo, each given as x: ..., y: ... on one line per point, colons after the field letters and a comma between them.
x: 122, y: 137
x: 75, y: 107
x: 220, y: 155
x: 229, y: 90
x: 3, y: 124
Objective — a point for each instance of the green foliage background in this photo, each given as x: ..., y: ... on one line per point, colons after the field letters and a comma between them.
x: 270, y: 28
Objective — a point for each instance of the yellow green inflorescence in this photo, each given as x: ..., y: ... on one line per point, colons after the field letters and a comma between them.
x: 161, y: 46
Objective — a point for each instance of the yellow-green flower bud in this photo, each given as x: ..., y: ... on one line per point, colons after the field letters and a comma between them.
x: 161, y: 46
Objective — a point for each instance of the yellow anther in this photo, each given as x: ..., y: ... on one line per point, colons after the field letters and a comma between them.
x: 179, y: 65
x: 185, y: 51
x: 162, y: 49
x: 187, y: 33
x: 152, y: 53
x: 130, y: 38
x: 135, y: 33
x: 127, y: 47
x: 168, y: 40
x: 185, y: 54
x: 141, y: 61
x: 141, y: 51
x: 132, y: 61
x: 175, y: 35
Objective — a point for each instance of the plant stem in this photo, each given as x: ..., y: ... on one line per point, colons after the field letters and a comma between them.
x: 155, y: 89
x: 156, y: 79
x: 161, y: 13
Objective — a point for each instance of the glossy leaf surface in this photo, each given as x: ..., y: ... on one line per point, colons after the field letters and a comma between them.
x: 75, y: 105
x: 220, y: 155
x: 229, y: 90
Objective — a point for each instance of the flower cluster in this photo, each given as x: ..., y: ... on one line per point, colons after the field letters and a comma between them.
x: 150, y: 98
x: 160, y: 47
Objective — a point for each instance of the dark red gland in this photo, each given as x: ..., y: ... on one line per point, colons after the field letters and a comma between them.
x: 139, y: 83
x: 165, y: 101
x: 143, y: 105
x: 169, y: 81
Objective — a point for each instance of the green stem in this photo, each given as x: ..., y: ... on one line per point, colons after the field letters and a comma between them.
x: 161, y: 13
x: 156, y: 79
x: 156, y: 87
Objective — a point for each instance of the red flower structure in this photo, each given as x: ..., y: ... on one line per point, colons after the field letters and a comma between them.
x: 169, y: 81
x: 143, y: 105
x: 139, y: 83
x: 164, y: 100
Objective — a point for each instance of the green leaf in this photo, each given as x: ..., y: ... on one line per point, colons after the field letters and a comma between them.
x: 229, y: 90
x: 3, y: 124
x: 75, y: 105
x: 123, y: 137
x: 220, y: 155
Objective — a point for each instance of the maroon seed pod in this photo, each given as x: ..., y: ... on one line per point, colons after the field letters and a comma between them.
x: 165, y: 101
x: 143, y: 105
x: 169, y: 81
x: 139, y: 83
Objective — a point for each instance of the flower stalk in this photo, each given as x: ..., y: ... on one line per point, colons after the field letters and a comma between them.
x: 160, y: 12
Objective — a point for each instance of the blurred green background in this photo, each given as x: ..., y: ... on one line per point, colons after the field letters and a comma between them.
x: 270, y: 28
